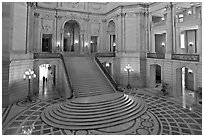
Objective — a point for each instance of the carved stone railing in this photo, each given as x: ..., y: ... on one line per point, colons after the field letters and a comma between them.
x: 110, y: 54
x: 108, y: 75
x: 56, y: 55
x: 47, y: 55
x: 155, y: 55
x: 185, y: 57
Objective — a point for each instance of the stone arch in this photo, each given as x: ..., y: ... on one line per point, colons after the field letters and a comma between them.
x: 155, y: 74
x: 111, y: 36
x: 36, y: 65
x: 111, y: 26
x: 72, y: 42
x: 184, y: 79
x: 77, y: 20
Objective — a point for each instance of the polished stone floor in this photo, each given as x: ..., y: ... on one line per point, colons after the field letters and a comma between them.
x: 164, y: 116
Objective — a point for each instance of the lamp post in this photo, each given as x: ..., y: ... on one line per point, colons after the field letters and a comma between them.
x: 129, y: 69
x: 29, y: 74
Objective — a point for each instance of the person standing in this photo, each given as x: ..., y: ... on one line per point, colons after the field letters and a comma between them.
x: 43, y: 84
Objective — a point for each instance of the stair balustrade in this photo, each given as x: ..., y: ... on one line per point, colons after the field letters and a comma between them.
x: 115, y: 85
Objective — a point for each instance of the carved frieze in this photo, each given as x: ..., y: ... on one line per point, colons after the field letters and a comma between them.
x: 73, y: 5
x: 36, y: 14
x: 47, y: 25
x: 96, y: 6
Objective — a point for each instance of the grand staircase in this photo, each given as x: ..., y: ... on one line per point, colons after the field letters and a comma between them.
x: 86, y: 77
x: 95, y: 104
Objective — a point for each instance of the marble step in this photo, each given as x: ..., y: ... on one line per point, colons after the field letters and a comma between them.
x: 95, y: 114
x: 98, y: 99
x: 104, y: 103
x: 92, y: 91
x: 102, y: 120
x: 98, y: 108
x: 92, y: 118
x: 91, y: 87
x: 93, y: 94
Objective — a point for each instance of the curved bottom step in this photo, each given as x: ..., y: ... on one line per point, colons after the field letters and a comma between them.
x: 96, y: 117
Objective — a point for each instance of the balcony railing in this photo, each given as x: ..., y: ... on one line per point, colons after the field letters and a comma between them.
x: 110, y: 54
x: 185, y: 57
x: 155, y: 55
x: 161, y: 23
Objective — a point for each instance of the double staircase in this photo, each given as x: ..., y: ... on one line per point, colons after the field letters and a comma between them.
x: 96, y: 104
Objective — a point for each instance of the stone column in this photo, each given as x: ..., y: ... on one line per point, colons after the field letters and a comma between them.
x: 153, y: 43
x: 149, y: 23
x: 169, y: 26
x: 29, y: 27
x: 7, y: 31
x: 87, y: 35
x: 62, y: 40
x: 123, y: 31
x: 174, y: 28
x: 35, y: 29
x: 199, y: 41
x: 104, y: 33
x: 81, y: 41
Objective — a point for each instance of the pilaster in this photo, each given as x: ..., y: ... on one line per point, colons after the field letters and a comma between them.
x: 169, y: 26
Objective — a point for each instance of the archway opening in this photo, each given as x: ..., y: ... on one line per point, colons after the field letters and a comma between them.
x: 155, y: 75
x: 112, y: 36
x: 47, y: 80
x: 94, y: 41
x: 185, y: 85
x: 72, y: 36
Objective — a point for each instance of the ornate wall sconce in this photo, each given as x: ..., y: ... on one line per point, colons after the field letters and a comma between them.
x: 163, y: 44
x: 190, y: 44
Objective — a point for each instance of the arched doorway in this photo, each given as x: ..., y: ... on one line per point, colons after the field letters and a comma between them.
x: 47, y: 80
x: 112, y: 36
x: 185, y: 85
x: 155, y: 75
x: 71, y: 36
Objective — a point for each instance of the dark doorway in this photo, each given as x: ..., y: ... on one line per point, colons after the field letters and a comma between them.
x: 94, y: 43
x: 158, y: 74
x: 47, y: 43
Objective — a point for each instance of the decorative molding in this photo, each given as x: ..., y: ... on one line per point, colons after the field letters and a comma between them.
x: 86, y: 19
x: 47, y: 25
x: 31, y: 4
x: 96, y: 6
x: 185, y: 57
x: 36, y: 14
x: 104, y: 20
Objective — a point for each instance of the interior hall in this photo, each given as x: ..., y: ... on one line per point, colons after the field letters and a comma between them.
x: 101, y: 68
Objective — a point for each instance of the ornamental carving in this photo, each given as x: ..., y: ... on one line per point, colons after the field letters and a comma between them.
x: 47, y: 25
x: 74, y: 5
x: 96, y: 6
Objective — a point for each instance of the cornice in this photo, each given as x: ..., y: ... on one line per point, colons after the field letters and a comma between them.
x: 91, y: 13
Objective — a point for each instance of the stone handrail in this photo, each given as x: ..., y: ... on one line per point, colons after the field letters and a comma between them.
x: 115, y: 85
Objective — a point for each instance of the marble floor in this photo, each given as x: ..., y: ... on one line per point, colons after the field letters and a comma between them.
x: 164, y: 116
